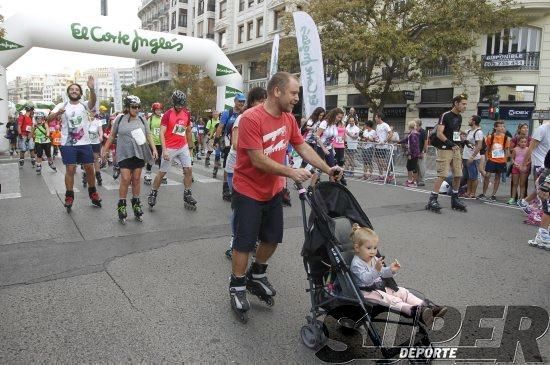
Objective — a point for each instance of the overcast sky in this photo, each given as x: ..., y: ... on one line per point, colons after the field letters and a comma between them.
x: 42, y: 61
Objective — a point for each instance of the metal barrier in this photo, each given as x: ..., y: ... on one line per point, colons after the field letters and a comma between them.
x: 384, y: 162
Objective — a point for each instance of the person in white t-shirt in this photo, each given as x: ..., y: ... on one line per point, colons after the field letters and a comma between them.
x: 369, y: 141
x: 471, y: 156
x: 384, y: 135
x: 96, y: 137
x: 76, y: 147
x: 352, y: 141
x: 539, y: 146
x: 326, y: 132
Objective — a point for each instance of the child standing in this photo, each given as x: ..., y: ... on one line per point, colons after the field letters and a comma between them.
x: 368, y: 271
x: 520, y: 171
x: 413, y: 152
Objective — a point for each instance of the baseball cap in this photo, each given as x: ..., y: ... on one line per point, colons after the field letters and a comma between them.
x: 240, y: 97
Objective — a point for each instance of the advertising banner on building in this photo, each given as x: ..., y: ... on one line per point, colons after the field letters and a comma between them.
x: 311, y: 62
x: 274, y: 67
x: 117, y: 91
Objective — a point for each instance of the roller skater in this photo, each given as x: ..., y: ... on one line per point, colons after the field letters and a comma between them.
x: 256, y: 200
x: 121, y: 209
x: 446, y: 139
x: 134, y: 147
x: 96, y: 137
x: 136, y: 207
x: 456, y: 204
x: 42, y: 142
x: 177, y: 142
x: 237, y: 293
x: 433, y: 204
x: 211, y: 127
x: 258, y: 285
x: 76, y: 148
x: 188, y: 201
x: 152, y: 199
x: 154, y: 126
x: 25, y: 134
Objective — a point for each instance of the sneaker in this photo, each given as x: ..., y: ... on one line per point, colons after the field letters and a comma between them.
x: 492, y: 198
x: 410, y: 184
x: 524, y: 205
x: 420, y: 184
x: 481, y: 197
x: 512, y: 201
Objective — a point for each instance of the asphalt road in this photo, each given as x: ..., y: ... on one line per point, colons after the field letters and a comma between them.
x: 83, y: 288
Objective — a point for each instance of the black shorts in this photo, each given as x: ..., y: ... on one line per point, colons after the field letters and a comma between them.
x: 256, y: 220
x: 412, y: 165
x: 131, y: 163
x: 96, y: 148
x: 494, y: 167
x: 43, y: 148
x: 225, y: 153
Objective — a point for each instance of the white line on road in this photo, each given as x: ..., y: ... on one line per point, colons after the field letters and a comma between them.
x: 9, y: 178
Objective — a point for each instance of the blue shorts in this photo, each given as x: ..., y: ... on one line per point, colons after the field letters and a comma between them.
x: 470, y: 172
x: 72, y: 155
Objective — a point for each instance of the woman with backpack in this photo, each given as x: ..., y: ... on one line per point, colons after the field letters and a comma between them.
x: 132, y: 135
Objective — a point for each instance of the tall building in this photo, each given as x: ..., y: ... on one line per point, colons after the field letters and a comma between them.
x: 104, y: 79
x: 169, y: 16
x: 48, y: 87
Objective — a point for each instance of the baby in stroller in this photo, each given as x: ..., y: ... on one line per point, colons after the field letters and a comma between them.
x: 369, y: 272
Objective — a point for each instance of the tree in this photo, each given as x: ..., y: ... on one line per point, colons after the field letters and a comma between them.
x: 382, y: 43
x: 1, y: 28
x: 200, y: 90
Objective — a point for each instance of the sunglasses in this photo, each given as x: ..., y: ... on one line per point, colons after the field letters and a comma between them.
x: 135, y: 106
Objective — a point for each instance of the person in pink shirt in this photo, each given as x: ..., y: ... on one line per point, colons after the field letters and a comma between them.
x: 340, y: 147
x: 520, y: 170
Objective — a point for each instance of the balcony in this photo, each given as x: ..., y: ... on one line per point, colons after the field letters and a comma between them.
x: 441, y: 70
x: 526, y: 61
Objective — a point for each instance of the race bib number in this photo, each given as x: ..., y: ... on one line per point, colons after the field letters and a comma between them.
x: 456, y: 136
x: 139, y: 136
x: 57, y: 140
x: 340, y: 140
x: 227, y: 141
x: 52, y: 129
x: 28, y: 128
x: 179, y: 130
x: 498, y: 153
x: 156, y: 131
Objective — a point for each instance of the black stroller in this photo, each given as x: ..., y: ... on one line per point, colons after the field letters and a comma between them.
x: 327, y: 253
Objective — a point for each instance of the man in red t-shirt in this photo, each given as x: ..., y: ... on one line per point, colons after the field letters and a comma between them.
x: 24, y: 130
x: 259, y: 177
x: 177, y: 140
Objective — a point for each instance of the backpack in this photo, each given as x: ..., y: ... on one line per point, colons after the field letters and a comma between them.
x: 485, y: 146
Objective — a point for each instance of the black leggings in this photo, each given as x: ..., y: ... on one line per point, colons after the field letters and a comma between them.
x: 158, y: 160
x: 43, y: 148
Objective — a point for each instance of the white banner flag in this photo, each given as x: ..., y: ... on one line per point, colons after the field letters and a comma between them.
x: 311, y: 62
x: 274, y: 57
x: 117, y: 91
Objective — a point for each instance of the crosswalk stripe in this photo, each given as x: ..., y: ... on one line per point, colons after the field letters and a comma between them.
x: 9, y: 177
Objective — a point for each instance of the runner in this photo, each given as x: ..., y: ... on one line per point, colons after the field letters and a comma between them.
x: 75, y: 140
x: 264, y: 133
x: 132, y: 135
x: 177, y: 142
x: 223, y: 136
x: 154, y: 127
x: 42, y: 142
x: 24, y: 131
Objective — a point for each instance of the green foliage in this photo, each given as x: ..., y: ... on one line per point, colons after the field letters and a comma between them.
x: 106, y: 103
x: 381, y: 43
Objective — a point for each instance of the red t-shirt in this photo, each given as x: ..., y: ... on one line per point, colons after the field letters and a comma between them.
x: 258, y: 130
x: 25, y: 122
x: 176, y: 125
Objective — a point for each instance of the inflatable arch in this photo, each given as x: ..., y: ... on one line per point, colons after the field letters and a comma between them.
x: 102, y: 35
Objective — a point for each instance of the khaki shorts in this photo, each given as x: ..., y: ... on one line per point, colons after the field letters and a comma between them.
x: 446, y: 158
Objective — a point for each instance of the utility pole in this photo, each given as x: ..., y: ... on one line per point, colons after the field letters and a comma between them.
x: 104, y: 7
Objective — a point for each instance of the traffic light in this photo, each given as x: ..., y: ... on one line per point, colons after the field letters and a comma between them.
x: 491, y: 108
x: 496, y: 105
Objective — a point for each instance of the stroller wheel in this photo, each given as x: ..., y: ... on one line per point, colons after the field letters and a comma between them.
x: 312, y: 336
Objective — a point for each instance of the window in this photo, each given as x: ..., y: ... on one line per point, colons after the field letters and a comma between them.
x: 200, y: 29
x: 182, y: 20
x: 183, y: 1
x: 508, y: 93
x: 515, y: 40
x: 249, y: 28
x: 240, y: 34
x: 222, y: 39
x: 173, y: 20
x: 239, y: 68
x: 260, y: 1
x: 182, y: 33
x: 260, y: 27
x: 436, y: 95
x: 210, y: 32
x: 250, y: 3
x: 200, y: 9
x: 241, y: 5
x: 277, y: 19
x: 211, y: 5
x: 258, y: 70
x: 223, y: 8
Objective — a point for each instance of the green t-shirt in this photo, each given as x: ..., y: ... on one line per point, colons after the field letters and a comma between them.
x: 41, y: 134
x: 154, y: 126
x: 211, y: 126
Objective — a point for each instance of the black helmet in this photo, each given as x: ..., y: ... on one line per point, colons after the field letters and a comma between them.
x: 29, y: 107
x: 179, y: 98
x: 131, y: 100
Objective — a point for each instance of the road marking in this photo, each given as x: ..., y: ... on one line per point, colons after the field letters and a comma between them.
x: 9, y: 178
